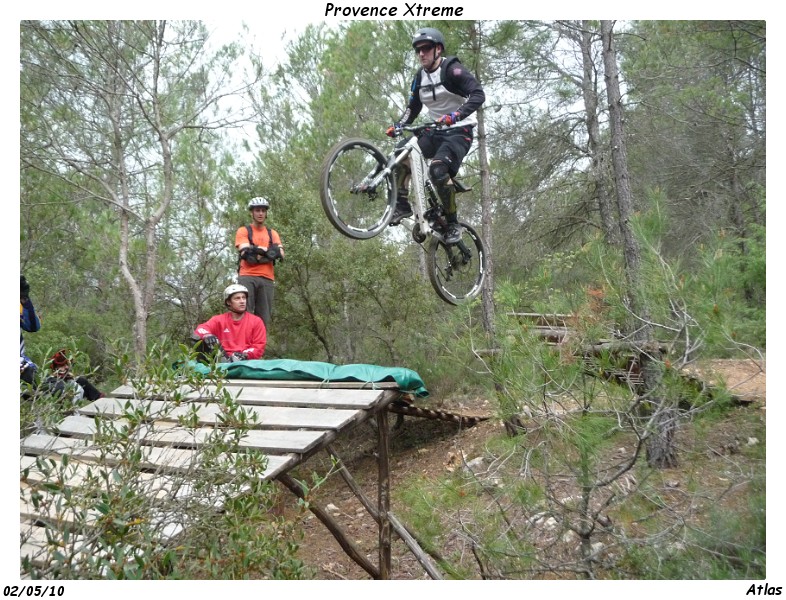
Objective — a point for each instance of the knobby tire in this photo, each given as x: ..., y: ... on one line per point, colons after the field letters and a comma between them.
x: 356, y: 212
x: 457, y: 271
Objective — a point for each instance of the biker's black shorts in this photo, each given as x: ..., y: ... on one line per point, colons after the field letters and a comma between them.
x: 447, y: 145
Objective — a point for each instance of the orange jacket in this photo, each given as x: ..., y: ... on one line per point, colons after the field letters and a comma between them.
x: 260, y: 238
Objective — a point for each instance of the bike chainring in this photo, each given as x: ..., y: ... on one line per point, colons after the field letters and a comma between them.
x: 417, y: 234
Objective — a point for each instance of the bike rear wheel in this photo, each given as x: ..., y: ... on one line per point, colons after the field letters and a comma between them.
x: 457, y: 271
x: 355, y: 208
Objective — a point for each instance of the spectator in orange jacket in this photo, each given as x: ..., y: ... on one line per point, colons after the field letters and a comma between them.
x: 260, y: 248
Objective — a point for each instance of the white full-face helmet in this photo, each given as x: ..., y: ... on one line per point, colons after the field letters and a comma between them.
x: 234, y: 289
x: 258, y: 201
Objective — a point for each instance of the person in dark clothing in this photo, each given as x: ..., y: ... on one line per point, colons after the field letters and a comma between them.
x: 62, y: 380
x: 451, y: 95
x: 28, y: 321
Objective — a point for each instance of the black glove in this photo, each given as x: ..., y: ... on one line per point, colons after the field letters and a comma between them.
x: 210, y: 341
x: 239, y: 356
x: 24, y: 287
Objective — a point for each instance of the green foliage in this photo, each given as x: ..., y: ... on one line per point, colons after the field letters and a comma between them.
x: 730, y: 291
x: 727, y: 541
x: 710, y: 303
x: 427, y: 503
x: 579, y: 440
x: 129, y: 156
x: 714, y: 295
x: 442, y: 347
x: 701, y: 138
x: 120, y: 523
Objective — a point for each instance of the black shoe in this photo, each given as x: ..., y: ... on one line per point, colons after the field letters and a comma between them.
x: 453, y: 234
x: 401, y: 212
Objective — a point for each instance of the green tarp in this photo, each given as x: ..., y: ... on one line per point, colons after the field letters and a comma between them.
x: 286, y: 369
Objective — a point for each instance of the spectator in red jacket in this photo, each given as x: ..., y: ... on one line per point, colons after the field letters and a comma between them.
x: 236, y: 334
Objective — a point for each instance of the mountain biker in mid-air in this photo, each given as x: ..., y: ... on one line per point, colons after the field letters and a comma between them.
x: 451, y: 94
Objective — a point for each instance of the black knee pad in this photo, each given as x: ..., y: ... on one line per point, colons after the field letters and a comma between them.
x: 439, y: 172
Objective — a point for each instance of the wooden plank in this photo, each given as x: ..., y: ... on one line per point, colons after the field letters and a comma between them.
x: 288, y: 426
x: 85, y: 427
x: 127, y: 391
x: 342, y: 385
x: 53, y: 510
x: 268, y: 441
x: 78, y: 474
x: 165, y: 459
x: 279, y: 464
x: 154, y: 486
x: 298, y: 397
x: 38, y: 469
x: 301, y: 397
x: 171, y: 434
x: 38, y: 542
x: 209, y: 414
x: 116, y: 407
x: 153, y: 457
x: 280, y: 417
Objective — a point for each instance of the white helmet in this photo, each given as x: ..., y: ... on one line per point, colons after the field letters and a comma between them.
x: 258, y: 201
x: 234, y: 289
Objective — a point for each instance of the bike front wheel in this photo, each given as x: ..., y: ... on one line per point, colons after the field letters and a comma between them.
x: 356, y: 203
x: 457, y: 271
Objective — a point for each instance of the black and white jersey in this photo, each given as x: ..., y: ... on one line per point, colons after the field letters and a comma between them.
x: 449, y: 88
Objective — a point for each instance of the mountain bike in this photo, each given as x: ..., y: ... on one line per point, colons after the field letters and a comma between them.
x: 358, y: 191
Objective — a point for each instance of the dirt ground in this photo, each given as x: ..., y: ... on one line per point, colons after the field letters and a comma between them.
x: 430, y: 448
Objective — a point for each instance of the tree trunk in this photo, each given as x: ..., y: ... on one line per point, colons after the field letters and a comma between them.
x: 488, y: 314
x: 589, y: 89
x: 661, y: 452
x: 487, y: 297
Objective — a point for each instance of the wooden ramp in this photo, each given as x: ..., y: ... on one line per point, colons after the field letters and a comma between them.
x: 287, y: 421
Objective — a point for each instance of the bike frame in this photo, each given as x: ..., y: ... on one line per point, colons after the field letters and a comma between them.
x: 418, y: 167
x: 418, y: 171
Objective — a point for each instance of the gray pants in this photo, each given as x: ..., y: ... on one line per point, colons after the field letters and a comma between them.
x: 261, y: 292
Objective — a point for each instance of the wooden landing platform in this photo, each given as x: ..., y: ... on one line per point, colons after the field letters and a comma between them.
x: 290, y: 421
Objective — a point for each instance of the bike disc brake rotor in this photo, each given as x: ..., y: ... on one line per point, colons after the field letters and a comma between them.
x: 457, y: 270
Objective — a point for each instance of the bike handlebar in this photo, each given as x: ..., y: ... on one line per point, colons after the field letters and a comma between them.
x: 416, y: 129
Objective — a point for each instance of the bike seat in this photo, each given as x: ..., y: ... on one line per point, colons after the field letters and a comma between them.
x: 460, y: 187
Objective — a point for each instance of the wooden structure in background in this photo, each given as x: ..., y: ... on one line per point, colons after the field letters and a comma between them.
x: 556, y: 330
x: 295, y: 420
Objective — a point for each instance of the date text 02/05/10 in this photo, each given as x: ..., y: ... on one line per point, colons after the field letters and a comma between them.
x: 33, y: 591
